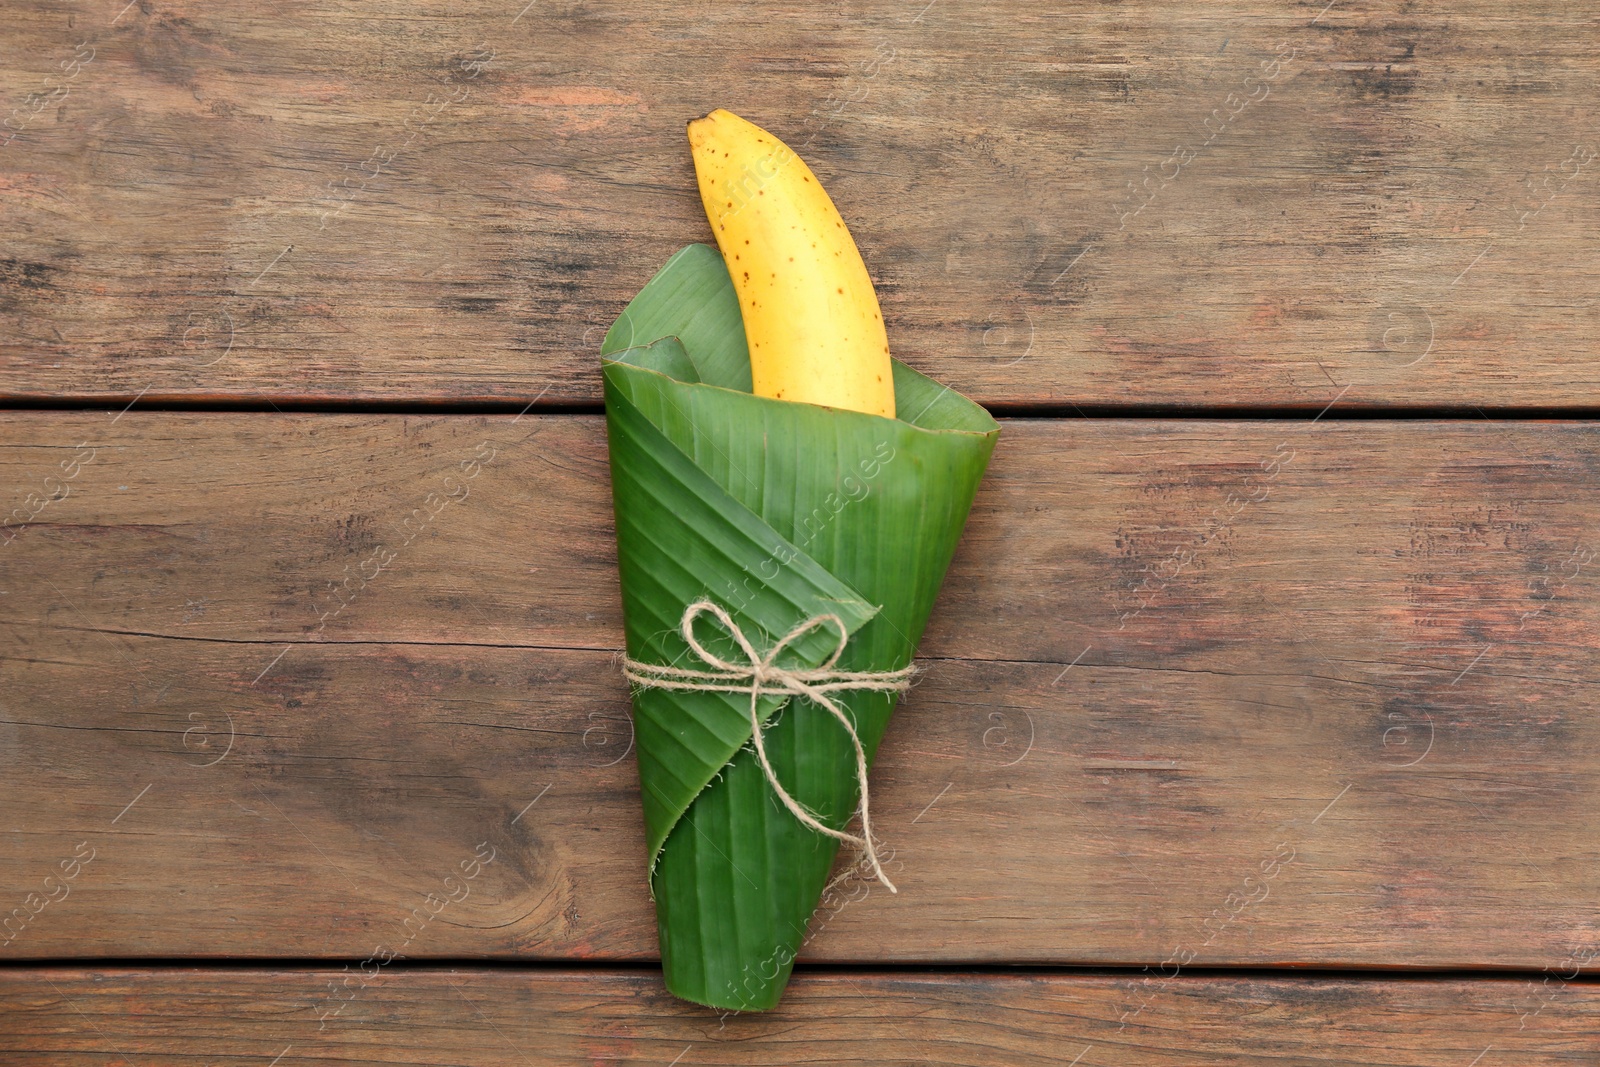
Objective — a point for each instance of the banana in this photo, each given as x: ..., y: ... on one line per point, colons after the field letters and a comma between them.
x: 811, y: 315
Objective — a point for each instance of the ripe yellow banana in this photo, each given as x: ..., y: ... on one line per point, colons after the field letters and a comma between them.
x: 811, y: 315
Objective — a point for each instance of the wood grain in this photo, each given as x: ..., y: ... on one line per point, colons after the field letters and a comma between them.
x: 1062, y: 203
x: 486, y: 1018
x: 1204, y: 692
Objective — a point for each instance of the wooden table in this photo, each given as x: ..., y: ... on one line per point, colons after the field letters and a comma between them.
x: 1258, y: 722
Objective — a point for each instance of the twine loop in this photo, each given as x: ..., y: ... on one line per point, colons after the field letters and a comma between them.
x: 761, y: 674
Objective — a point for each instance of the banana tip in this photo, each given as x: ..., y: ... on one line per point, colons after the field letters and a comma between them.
x: 699, y: 129
x: 713, y: 115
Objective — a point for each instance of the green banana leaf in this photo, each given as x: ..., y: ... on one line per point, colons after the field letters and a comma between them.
x: 776, y: 511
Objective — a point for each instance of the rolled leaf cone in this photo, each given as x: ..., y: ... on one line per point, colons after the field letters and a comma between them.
x: 777, y: 512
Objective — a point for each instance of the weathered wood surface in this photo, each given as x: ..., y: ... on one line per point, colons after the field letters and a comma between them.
x: 1210, y: 203
x: 486, y: 1018
x: 1205, y: 692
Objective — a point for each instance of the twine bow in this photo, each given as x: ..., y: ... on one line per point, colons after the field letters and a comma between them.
x: 761, y: 674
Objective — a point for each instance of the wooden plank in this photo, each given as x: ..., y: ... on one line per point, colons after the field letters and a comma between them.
x: 1213, y: 692
x: 61, y: 1016
x: 1242, y: 202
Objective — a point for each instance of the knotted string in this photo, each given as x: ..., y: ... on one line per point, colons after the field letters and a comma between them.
x: 761, y: 674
